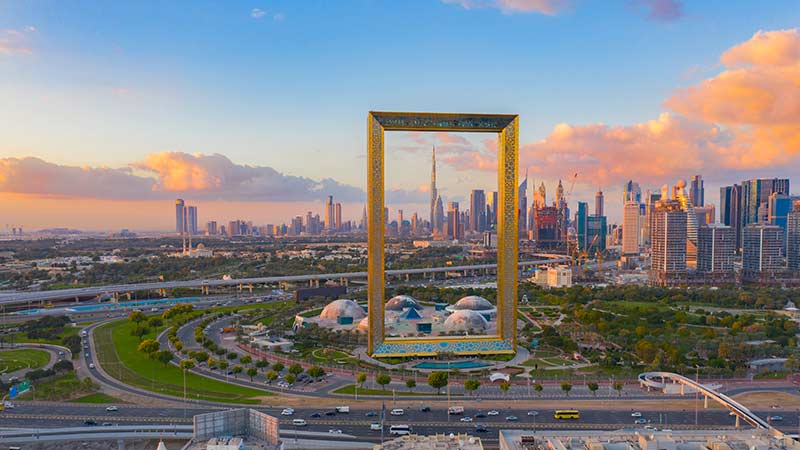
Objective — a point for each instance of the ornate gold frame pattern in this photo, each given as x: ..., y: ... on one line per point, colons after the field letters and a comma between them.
x: 507, y: 127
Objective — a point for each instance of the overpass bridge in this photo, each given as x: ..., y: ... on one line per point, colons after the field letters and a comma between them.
x: 658, y: 380
x: 22, y: 298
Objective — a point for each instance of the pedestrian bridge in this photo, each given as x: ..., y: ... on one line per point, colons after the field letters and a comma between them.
x: 659, y: 380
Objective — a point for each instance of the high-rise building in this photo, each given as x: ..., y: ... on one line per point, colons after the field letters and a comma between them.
x: 337, y: 217
x: 192, y: 220
x: 363, y: 224
x: 180, y: 225
x: 453, y: 222
x: 477, y: 211
x: 438, y: 216
x: 697, y: 190
x: 778, y: 208
x: 716, y: 248
x: 668, y: 243
x: 679, y: 193
x: 523, y: 204
x: 415, y: 224
x: 755, y: 198
x: 762, y: 246
x: 630, y: 228
x: 598, y: 203
x: 580, y: 224
x: 491, y: 218
x: 649, y: 205
x: 329, y: 213
x: 596, y: 234
x: 793, y: 237
x: 632, y: 192
x: 730, y: 202
x: 211, y: 228
x: 434, y: 193
x: 705, y: 215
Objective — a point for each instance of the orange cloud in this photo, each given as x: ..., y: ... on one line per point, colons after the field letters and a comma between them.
x: 13, y: 42
x: 766, y: 48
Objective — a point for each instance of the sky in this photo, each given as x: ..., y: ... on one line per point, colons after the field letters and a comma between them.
x: 257, y: 109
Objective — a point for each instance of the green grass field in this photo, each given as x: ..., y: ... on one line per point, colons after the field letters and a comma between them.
x: 60, y: 388
x: 118, y: 355
x: 350, y: 389
x: 12, y: 360
x: 97, y: 397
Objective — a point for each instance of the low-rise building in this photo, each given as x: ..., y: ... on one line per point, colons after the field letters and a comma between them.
x: 436, y: 441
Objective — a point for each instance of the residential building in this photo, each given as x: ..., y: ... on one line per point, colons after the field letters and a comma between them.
x: 668, y: 237
x: 761, y: 249
x: 716, y: 249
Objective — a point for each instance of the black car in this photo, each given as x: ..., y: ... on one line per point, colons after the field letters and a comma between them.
x: 425, y: 409
x: 330, y: 413
x: 316, y: 415
x: 371, y: 414
x: 90, y: 422
x: 480, y: 428
x: 480, y: 415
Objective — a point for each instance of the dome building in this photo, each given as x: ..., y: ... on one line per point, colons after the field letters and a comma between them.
x: 363, y: 324
x: 401, y: 302
x: 474, y: 303
x: 466, y: 320
x: 343, y: 311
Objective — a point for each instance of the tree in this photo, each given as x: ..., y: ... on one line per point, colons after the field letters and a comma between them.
x: 566, y: 387
x: 139, y: 331
x: 136, y: 317
x: 211, y: 363
x: 246, y: 359
x: 178, y: 346
x: 262, y: 363
x: 411, y: 384
x: 162, y: 356
x: 278, y: 367
x: 383, y: 379
x: 618, y: 387
x: 251, y: 372
x: 223, y: 365
x: 438, y: 380
x: 316, y: 372
x: 295, y: 369
x: 361, y: 377
x: 149, y: 346
x: 271, y: 375
x: 232, y: 355
x: 290, y: 378
x: 505, y: 386
x: 155, y: 322
x: 237, y: 369
x: 471, y: 385
x: 538, y: 388
x: 593, y: 387
x: 201, y: 356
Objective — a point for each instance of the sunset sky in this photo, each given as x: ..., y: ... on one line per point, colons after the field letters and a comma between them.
x: 257, y: 110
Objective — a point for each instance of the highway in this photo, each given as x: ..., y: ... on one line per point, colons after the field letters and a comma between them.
x: 16, y: 298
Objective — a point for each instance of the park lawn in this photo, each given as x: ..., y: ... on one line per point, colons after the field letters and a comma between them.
x: 118, y: 354
x: 350, y: 389
x: 11, y: 360
x: 97, y: 397
x: 60, y: 388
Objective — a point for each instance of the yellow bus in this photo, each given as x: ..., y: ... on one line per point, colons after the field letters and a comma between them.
x: 567, y: 414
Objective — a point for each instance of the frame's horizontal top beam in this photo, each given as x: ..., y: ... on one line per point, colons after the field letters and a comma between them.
x: 426, y: 121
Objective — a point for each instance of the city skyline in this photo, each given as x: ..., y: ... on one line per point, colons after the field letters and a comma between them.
x: 686, y: 117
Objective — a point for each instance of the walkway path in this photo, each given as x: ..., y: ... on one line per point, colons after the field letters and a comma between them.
x: 52, y: 350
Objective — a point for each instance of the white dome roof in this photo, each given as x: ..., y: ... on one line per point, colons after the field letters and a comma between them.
x: 401, y: 302
x: 466, y: 320
x: 474, y: 303
x: 342, y: 308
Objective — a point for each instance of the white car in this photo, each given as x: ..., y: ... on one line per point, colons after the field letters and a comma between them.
x: 334, y: 431
x: 112, y: 408
x: 533, y: 413
x: 493, y: 413
x: 466, y: 419
x: 636, y: 414
x: 375, y: 426
x: 397, y: 412
x: 287, y: 412
x: 650, y: 428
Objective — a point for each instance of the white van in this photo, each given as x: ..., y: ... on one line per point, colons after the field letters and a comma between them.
x: 343, y: 409
x: 299, y: 422
x: 375, y: 426
x: 397, y: 412
x: 399, y: 430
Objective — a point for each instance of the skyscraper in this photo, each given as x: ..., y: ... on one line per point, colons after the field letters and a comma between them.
x: 668, y: 237
x: 793, y: 237
x: 453, y: 223
x: 477, y: 211
x: 434, y: 193
x: 761, y: 249
x: 580, y: 225
x: 630, y: 228
x: 329, y: 213
x: 697, y: 190
x: 730, y: 202
x: 192, y: 220
x: 596, y: 233
x: 523, y: 204
x: 598, y: 203
x: 211, y: 228
x: 632, y: 192
x: 180, y: 225
x: 491, y: 218
x: 337, y: 217
x: 540, y: 196
x: 755, y: 197
x: 715, y: 249
x: 438, y: 216
x: 649, y: 206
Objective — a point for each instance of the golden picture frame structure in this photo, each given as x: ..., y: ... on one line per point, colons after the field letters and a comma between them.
x: 507, y: 128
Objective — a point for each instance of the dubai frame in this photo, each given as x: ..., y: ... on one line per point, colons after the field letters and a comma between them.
x: 507, y: 127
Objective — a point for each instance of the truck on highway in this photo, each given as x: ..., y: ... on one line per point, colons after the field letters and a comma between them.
x: 455, y: 410
x: 343, y: 409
